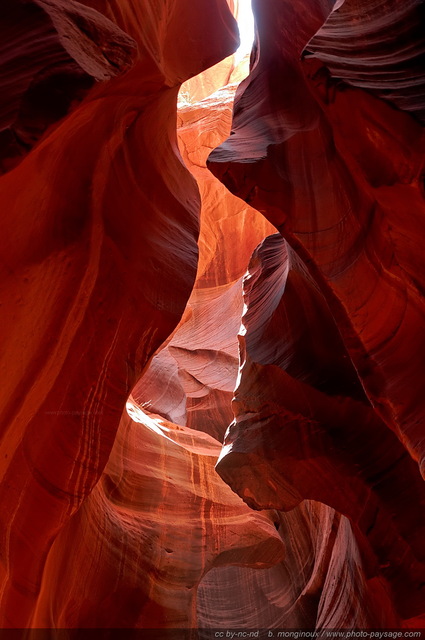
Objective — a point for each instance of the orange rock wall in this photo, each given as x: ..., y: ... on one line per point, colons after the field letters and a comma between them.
x: 128, y: 271
x: 99, y: 255
x: 327, y: 142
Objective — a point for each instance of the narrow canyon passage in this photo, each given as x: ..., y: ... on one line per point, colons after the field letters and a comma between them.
x: 213, y: 316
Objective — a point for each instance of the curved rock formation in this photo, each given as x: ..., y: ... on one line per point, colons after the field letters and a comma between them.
x: 330, y: 403
x: 383, y: 54
x: 304, y: 428
x: 191, y: 380
x: 117, y: 519
x: 338, y: 172
x: 51, y: 53
x: 229, y: 71
x: 99, y: 257
x: 159, y: 520
x: 319, y: 584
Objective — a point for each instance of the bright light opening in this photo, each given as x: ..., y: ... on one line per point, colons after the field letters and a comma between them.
x: 246, y: 28
x: 211, y: 80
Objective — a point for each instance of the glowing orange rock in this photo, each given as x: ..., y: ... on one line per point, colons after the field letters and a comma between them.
x: 99, y: 257
x: 113, y: 520
x: 305, y: 430
x: 160, y: 518
x: 191, y: 380
x: 338, y: 170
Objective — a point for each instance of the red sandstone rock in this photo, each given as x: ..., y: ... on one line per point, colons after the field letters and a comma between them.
x: 304, y: 428
x: 159, y: 519
x: 319, y: 584
x: 338, y: 172
x: 51, y: 53
x: 229, y: 71
x: 99, y: 253
x: 191, y: 380
x: 135, y: 529
x: 314, y: 584
x: 376, y: 46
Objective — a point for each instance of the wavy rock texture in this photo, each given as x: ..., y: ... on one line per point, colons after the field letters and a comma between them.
x: 231, y: 70
x: 339, y: 173
x: 51, y: 53
x: 191, y: 380
x: 335, y: 413
x: 99, y: 257
x: 118, y: 519
x: 159, y: 519
x: 385, y: 54
x: 304, y: 428
x: 319, y: 584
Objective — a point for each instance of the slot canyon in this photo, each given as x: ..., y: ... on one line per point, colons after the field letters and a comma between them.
x: 212, y: 316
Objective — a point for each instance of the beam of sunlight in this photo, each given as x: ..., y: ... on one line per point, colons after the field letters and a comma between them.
x: 246, y: 28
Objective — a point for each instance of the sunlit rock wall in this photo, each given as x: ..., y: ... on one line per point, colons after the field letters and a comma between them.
x: 327, y: 142
x: 127, y: 267
x: 99, y: 256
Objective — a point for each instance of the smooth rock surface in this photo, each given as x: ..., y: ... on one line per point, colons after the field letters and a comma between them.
x: 122, y: 264
x: 340, y: 173
x: 191, y: 380
x: 305, y: 430
x: 99, y: 256
x: 326, y: 141
x: 158, y: 520
x: 51, y: 54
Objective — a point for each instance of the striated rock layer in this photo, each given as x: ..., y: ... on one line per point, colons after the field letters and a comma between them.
x: 99, y: 256
x: 339, y: 173
x: 304, y: 428
x: 384, y: 54
x: 159, y: 519
x: 191, y: 380
x: 320, y: 584
x: 113, y: 514
x: 51, y: 53
x: 330, y: 403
